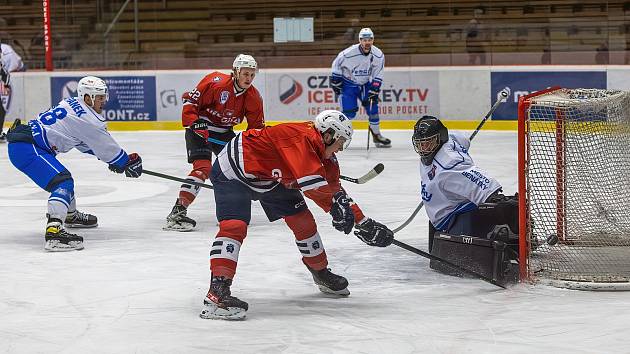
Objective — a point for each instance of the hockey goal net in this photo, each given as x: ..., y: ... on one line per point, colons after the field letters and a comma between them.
x: 574, y: 183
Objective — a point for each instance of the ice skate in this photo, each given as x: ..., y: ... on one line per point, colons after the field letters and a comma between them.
x: 329, y: 282
x: 79, y: 220
x: 178, y: 221
x: 3, y: 138
x: 59, y: 240
x: 219, y: 304
x: 380, y: 141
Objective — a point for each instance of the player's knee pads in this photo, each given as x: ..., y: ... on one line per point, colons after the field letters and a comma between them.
x: 234, y: 229
x: 302, y: 224
x: 63, y: 192
x: 201, y: 169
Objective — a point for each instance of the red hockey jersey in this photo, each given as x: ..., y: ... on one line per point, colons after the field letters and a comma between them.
x: 288, y: 153
x: 216, y: 100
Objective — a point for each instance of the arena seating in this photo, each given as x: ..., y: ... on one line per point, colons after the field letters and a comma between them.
x: 192, y: 30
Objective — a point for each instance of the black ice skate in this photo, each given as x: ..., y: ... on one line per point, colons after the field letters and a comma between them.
x: 219, y: 304
x: 380, y: 141
x: 59, y: 240
x: 178, y: 221
x: 329, y: 282
x: 79, y: 220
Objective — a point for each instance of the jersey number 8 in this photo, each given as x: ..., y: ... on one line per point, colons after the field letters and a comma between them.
x: 51, y: 116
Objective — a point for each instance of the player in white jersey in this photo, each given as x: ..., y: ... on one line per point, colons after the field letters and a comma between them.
x: 75, y: 122
x: 10, y: 61
x: 357, y: 74
x: 454, y: 188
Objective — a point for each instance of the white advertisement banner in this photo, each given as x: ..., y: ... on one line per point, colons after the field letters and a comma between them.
x: 13, y: 98
x: 300, y: 94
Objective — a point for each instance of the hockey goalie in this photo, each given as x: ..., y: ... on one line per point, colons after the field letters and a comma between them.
x: 472, y: 224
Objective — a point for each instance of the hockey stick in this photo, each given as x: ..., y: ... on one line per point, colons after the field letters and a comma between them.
x: 368, y: 128
x: 173, y: 178
x: 430, y: 256
x: 502, y: 96
x: 366, y: 177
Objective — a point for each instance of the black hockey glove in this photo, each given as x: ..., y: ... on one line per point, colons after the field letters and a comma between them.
x: 372, y: 94
x: 132, y: 169
x: 343, y: 217
x: 336, y: 83
x: 374, y: 233
x: 200, y: 128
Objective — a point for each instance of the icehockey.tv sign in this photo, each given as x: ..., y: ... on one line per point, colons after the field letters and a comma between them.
x: 131, y: 98
x: 302, y: 94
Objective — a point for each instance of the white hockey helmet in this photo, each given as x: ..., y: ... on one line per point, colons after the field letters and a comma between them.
x: 335, y: 122
x: 244, y: 61
x: 366, y: 33
x: 92, y: 86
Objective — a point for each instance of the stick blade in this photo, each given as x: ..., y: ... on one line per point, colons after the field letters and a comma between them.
x: 379, y: 168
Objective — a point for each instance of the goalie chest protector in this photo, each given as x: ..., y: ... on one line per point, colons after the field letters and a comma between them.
x: 486, y: 257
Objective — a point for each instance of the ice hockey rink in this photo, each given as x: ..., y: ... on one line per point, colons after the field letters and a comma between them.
x: 138, y: 289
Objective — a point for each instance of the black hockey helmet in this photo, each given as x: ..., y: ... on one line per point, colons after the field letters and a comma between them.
x: 429, y: 134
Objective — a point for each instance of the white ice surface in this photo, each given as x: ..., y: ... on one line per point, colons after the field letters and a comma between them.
x: 136, y: 288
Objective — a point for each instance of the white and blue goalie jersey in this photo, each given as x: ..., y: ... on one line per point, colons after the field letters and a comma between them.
x: 73, y: 124
x: 452, y: 184
x: 357, y: 68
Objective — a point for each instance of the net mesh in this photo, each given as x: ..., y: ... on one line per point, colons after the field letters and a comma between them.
x: 578, y: 185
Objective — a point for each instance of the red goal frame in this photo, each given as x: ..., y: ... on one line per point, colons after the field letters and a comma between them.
x: 524, y: 103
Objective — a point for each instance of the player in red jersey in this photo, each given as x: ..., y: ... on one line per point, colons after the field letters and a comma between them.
x: 275, y: 165
x: 211, y: 110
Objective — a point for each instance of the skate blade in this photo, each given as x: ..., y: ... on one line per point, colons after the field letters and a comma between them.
x: 56, y: 246
x: 213, y: 312
x: 380, y: 145
x: 179, y: 227
x: 327, y: 290
x: 79, y: 226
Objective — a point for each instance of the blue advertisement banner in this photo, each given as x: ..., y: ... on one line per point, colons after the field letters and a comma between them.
x: 524, y: 83
x: 131, y: 98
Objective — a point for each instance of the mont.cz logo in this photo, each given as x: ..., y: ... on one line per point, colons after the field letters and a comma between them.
x: 289, y: 89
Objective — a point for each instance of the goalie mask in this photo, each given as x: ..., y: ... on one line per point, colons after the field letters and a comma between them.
x: 334, y: 123
x: 429, y: 134
x: 92, y: 86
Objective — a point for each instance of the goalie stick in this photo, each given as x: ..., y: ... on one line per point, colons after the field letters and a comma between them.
x: 502, y: 96
x: 366, y: 177
x: 439, y: 259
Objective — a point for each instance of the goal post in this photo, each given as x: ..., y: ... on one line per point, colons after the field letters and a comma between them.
x: 574, y: 188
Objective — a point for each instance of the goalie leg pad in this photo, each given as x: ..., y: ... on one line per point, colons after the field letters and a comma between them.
x: 486, y: 257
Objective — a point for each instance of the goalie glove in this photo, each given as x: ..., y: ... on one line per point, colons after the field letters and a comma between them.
x: 200, y: 128
x: 336, y: 83
x: 343, y: 217
x: 374, y: 233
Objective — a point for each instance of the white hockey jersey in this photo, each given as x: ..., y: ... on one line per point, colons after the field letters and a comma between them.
x: 452, y: 184
x: 73, y: 124
x: 357, y: 67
